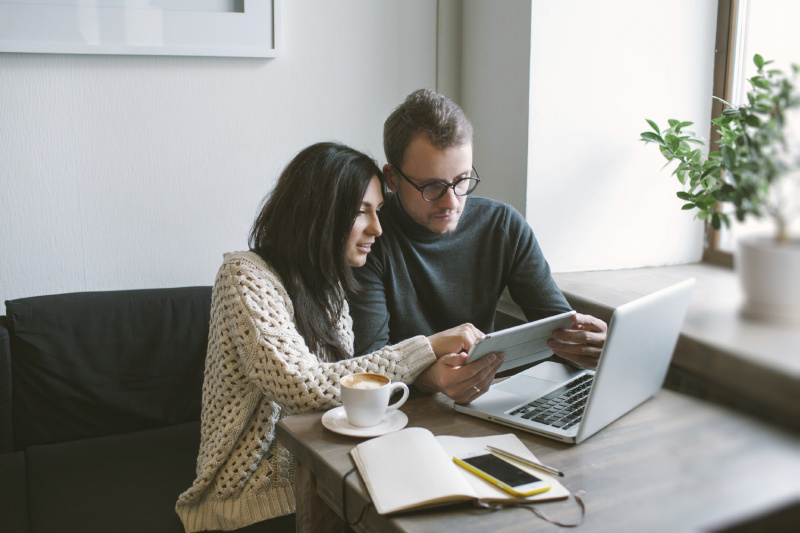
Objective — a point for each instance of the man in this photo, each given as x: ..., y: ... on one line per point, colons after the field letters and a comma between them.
x: 445, y: 257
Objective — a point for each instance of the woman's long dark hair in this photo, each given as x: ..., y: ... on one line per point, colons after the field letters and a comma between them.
x: 302, y: 231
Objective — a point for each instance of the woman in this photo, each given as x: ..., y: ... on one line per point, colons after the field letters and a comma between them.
x: 281, y: 336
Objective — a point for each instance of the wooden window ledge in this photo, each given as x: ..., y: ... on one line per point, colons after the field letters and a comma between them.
x: 721, y: 356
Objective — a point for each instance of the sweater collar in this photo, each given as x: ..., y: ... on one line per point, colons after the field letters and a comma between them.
x: 405, y: 224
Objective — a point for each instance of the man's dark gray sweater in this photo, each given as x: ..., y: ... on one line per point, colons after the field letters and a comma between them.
x: 418, y: 283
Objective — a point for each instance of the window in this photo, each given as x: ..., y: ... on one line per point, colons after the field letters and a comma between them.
x: 746, y: 28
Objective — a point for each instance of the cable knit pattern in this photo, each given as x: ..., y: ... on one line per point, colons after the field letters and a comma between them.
x: 258, y: 370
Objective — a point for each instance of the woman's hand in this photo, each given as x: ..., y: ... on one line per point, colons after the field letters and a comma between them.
x: 454, y: 340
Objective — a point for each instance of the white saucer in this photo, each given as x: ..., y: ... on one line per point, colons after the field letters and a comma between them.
x: 336, y: 421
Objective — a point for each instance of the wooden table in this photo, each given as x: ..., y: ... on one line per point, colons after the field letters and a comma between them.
x: 673, y: 464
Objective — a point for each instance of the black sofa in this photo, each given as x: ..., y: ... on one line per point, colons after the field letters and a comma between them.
x: 100, y: 396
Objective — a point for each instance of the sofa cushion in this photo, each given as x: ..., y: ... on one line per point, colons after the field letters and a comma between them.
x: 13, y: 502
x: 102, y: 363
x: 120, y: 483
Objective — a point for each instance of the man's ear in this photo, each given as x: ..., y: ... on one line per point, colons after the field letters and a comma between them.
x: 391, y: 177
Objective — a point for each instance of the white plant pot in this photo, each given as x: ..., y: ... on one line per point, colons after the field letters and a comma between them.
x: 770, y: 276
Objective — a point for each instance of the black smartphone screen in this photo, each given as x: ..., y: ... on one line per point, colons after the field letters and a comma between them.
x: 502, y: 470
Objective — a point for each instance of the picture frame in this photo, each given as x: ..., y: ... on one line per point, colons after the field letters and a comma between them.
x: 225, y: 28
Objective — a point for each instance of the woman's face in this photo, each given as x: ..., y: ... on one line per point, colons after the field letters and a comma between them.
x: 366, y: 227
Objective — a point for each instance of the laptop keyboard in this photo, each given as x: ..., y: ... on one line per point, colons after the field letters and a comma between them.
x: 562, y: 408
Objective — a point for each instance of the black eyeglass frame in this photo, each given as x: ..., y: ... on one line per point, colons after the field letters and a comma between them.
x: 453, y: 185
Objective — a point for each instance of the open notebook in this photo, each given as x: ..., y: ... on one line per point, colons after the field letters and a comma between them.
x: 413, y: 469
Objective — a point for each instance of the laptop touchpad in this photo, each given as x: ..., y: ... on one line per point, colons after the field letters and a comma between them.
x: 523, y: 385
x: 553, y: 372
x: 538, y: 379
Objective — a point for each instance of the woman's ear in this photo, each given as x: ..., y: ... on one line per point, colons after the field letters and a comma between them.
x: 391, y: 177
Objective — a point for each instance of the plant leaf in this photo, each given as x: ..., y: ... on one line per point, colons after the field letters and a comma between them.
x: 728, y: 156
x: 650, y: 137
x: 718, y: 99
x: 753, y: 121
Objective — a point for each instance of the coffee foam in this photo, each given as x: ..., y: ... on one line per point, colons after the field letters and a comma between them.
x: 365, y: 381
x: 366, y: 385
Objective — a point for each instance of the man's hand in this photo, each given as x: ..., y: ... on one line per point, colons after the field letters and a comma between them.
x: 582, y: 343
x: 462, y: 383
x: 454, y: 340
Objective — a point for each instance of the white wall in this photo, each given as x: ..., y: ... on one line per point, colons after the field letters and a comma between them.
x: 495, y: 90
x: 121, y: 172
x: 129, y: 172
x: 595, y: 196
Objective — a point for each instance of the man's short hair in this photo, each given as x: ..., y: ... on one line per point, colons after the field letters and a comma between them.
x: 428, y: 112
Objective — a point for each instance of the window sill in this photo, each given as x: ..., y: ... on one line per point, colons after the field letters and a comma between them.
x: 721, y: 356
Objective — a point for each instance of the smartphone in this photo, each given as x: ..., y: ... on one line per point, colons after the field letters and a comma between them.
x: 502, y: 474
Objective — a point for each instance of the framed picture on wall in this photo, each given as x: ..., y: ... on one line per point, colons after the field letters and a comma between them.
x: 231, y: 28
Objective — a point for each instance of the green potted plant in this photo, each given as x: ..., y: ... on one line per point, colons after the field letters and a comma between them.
x: 751, y: 175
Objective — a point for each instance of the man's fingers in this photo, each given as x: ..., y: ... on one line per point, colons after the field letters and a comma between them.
x: 590, y: 323
x: 461, y: 382
x: 578, y: 348
x: 485, y: 362
x: 454, y: 359
x: 583, y: 361
x: 481, y: 379
x: 585, y: 330
x: 582, y: 343
x: 580, y: 336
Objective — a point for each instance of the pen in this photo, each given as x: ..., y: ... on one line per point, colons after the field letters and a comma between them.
x: 528, y: 462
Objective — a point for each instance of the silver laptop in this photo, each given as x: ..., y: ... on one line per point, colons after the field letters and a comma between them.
x: 569, y: 404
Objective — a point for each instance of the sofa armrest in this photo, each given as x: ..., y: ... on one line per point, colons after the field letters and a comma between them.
x: 6, y: 416
x: 14, y: 490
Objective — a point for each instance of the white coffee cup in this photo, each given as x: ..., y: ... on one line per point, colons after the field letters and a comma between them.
x: 365, y: 397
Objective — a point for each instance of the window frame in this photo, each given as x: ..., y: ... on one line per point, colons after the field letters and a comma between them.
x: 724, y: 55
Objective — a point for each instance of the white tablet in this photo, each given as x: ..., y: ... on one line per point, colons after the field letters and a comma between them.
x: 523, y: 344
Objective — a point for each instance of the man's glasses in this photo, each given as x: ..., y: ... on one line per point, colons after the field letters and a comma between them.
x: 435, y: 190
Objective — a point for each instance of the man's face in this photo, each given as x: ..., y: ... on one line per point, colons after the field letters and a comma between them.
x: 424, y: 163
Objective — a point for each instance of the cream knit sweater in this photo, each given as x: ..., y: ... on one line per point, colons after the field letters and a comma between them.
x: 259, y: 370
